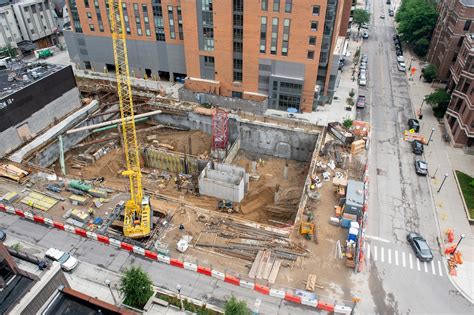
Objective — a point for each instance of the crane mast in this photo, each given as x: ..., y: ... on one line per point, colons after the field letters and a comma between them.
x: 137, y: 217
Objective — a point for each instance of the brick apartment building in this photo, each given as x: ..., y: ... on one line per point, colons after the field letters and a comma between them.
x: 460, y: 113
x: 451, y: 50
x: 455, y: 20
x: 274, y: 51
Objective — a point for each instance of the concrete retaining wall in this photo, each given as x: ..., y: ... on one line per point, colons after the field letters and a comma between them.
x: 57, y: 109
x: 222, y: 101
x: 223, y: 181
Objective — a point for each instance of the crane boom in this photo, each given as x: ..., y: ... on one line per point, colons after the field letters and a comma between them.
x: 137, y: 218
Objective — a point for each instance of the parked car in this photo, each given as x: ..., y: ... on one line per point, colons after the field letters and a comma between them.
x: 382, y: 16
x: 66, y: 261
x: 399, y: 52
x: 414, y: 124
x: 421, y: 167
x: 365, y: 25
x: 390, y: 12
x: 363, y: 81
x: 362, y: 73
x: 360, y: 101
x: 3, y: 235
x: 401, y: 66
x: 363, y: 66
x: 364, y: 58
x: 365, y: 35
x: 417, y: 147
x: 396, y: 37
x: 420, y: 246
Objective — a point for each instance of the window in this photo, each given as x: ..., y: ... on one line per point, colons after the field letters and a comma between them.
x: 312, y: 40
x: 86, y: 3
x: 274, y: 39
x: 460, y: 41
x: 91, y: 27
x: 237, y: 46
x: 310, y: 54
x: 467, y: 25
x: 264, y: 5
x: 139, y: 31
x: 237, y: 76
x: 455, y: 56
x: 237, y: 94
x: 209, y: 61
x: 286, y: 37
x: 238, y: 64
x: 135, y: 6
x: 288, y: 6
x: 314, y: 26
x: 89, y: 15
x: 171, y: 22
x: 276, y: 5
x: 316, y: 10
x: 263, y: 34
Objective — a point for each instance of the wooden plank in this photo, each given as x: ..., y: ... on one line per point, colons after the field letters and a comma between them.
x: 256, y: 263
x: 274, y: 272
x: 311, y: 282
x: 263, y: 263
x: 268, y: 268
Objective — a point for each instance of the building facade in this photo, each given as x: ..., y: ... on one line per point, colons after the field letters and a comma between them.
x: 27, y: 20
x: 278, y: 51
x: 455, y: 20
x: 460, y: 114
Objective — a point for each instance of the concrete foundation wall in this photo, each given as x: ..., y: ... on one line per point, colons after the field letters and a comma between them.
x: 223, y: 181
x: 57, y: 109
x: 228, y: 102
x: 257, y: 137
x: 50, y: 154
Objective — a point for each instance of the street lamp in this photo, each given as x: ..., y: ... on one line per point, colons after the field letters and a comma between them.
x: 431, y: 135
x: 442, y: 183
x: 420, y: 113
x: 459, y: 242
x: 178, y: 288
x: 107, y: 283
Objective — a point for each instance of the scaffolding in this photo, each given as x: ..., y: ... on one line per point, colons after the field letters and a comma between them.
x: 220, y: 130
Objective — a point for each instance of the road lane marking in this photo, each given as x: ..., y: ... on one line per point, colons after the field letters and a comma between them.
x: 440, y: 269
x: 389, y: 256
x: 433, y: 268
x: 418, y: 264
x: 403, y: 259
x: 377, y: 238
x: 411, y: 262
x: 375, y: 253
x: 396, y: 257
x: 426, y: 266
x: 382, y: 254
x: 368, y: 252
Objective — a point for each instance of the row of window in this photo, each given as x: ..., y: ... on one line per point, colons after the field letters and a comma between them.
x: 276, y: 6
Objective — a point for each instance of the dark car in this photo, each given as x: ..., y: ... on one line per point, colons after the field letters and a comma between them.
x: 421, y: 167
x: 414, y: 124
x: 390, y: 12
x: 360, y: 101
x: 3, y: 235
x: 420, y: 246
x: 396, y: 37
x: 417, y: 147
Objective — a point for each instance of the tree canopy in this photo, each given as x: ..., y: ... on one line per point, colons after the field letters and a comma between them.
x: 430, y: 73
x: 136, y: 286
x: 416, y: 21
x: 360, y: 17
x: 439, y: 100
x: 236, y: 307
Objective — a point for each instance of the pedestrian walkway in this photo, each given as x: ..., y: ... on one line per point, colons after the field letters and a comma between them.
x: 384, y: 253
x: 443, y: 160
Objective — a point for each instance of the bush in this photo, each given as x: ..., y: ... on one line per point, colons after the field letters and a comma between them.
x: 439, y: 100
x: 430, y: 72
x: 236, y: 307
x: 136, y: 286
x: 347, y: 123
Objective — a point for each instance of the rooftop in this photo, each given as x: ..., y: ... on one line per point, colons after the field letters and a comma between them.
x: 467, y: 3
x: 18, y: 75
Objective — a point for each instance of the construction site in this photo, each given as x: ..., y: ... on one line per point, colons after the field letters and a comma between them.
x: 274, y: 200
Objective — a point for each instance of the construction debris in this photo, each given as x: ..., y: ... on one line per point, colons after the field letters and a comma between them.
x: 12, y: 172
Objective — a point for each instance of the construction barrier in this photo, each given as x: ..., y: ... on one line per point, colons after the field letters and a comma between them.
x: 282, y: 294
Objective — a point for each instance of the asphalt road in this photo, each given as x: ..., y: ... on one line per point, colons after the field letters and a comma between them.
x: 193, y: 284
x: 393, y: 280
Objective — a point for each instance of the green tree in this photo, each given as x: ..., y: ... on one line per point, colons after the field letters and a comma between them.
x: 439, y: 100
x: 136, y: 286
x: 347, y: 123
x: 8, y: 51
x: 236, y: 307
x: 430, y: 72
x: 360, y: 16
x: 416, y: 21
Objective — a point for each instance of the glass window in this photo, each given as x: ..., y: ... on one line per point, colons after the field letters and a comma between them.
x: 276, y: 5
x: 467, y: 25
x: 288, y: 6
x: 314, y: 26
x: 316, y: 10
x: 286, y: 37
x: 274, y: 38
x: 264, y: 5
x: 91, y: 27
x: 310, y: 54
x: 237, y: 94
x: 237, y: 76
x: 86, y: 3
x: 263, y: 34
x: 312, y: 40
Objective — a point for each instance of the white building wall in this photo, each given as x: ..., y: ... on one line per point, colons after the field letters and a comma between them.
x: 9, y: 32
x: 35, y: 18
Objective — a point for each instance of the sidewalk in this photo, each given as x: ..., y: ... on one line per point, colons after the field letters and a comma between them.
x: 444, y: 159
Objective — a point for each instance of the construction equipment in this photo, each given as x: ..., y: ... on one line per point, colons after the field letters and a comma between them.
x: 307, y: 229
x: 225, y: 205
x: 137, y: 217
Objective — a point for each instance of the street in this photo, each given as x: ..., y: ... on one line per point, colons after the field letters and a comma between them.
x: 399, y: 199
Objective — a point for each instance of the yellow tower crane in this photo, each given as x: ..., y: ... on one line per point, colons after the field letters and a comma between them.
x: 137, y: 219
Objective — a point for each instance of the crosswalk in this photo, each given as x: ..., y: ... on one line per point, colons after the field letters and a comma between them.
x: 381, y: 254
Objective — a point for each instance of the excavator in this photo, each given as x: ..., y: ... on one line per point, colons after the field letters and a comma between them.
x: 137, y: 213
